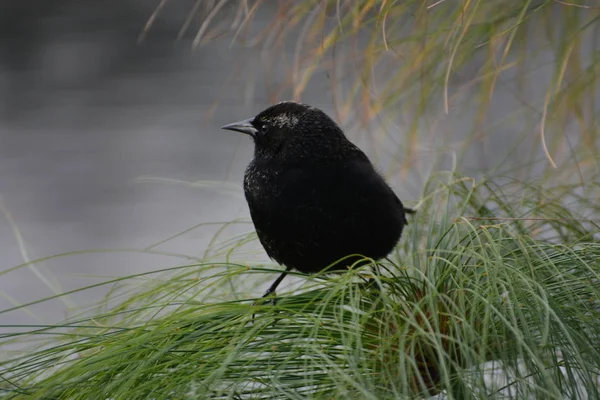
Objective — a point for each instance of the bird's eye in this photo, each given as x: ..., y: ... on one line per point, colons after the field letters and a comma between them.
x: 264, y: 129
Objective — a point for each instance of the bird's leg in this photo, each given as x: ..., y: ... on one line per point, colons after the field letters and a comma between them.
x: 272, y: 288
x: 377, y: 270
x: 370, y: 281
x: 373, y: 282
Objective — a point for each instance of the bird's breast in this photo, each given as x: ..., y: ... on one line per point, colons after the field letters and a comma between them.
x: 262, y: 189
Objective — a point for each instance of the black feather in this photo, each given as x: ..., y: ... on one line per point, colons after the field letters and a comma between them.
x: 315, y: 197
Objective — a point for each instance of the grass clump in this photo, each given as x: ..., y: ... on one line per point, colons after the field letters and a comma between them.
x: 479, y: 302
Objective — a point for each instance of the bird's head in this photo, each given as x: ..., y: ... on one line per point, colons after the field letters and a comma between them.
x: 292, y: 131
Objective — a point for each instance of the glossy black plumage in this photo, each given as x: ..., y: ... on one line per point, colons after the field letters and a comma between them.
x: 315, y: 197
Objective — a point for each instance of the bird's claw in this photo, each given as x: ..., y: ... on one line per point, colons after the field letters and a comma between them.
x: 371, y: 284
x: 264, y: 300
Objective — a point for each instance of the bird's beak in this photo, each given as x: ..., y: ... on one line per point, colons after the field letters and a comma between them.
x: 244, y: 126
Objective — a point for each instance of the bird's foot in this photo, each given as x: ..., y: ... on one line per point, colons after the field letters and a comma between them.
x: 371, y: 284
x: 269, y: 292
x: 264, y: 300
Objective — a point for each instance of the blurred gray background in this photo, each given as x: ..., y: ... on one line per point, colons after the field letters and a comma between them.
x: 96, y: 130
x: 86, y: 111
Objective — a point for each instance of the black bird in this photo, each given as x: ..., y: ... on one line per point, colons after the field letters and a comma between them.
x: 314, y: 196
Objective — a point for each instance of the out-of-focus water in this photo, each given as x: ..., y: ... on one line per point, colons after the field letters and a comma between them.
x: 86, y: 111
